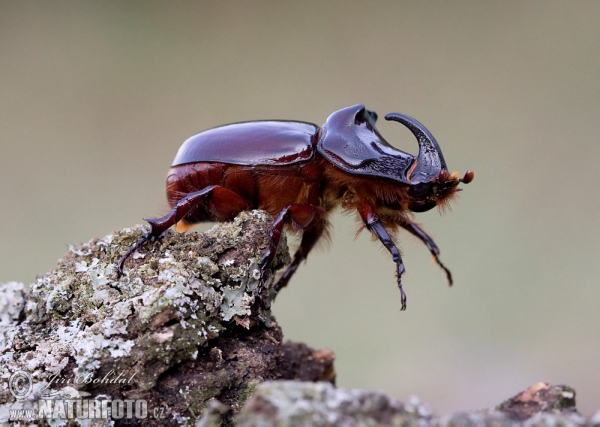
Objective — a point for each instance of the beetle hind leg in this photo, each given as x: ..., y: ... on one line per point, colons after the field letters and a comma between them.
x: 222, y: 202
x: 141, y: 242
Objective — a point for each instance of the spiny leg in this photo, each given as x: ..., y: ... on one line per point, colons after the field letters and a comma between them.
x: 309, y: 239
x: 302, y: 215
x: 425, y: 238
x: 158, y: 226
x: 373, y: 223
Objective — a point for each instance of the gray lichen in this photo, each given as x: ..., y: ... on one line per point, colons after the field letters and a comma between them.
x: 292, y: 403
x: 82, y: 323
x: 12, y: 301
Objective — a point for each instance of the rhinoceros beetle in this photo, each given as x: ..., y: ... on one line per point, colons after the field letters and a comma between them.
x: 298, y: 173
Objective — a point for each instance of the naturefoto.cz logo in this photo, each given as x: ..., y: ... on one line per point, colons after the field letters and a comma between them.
x: 68, y: 403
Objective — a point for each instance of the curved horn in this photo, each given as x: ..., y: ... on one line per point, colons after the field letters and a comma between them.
x: 430, y: 161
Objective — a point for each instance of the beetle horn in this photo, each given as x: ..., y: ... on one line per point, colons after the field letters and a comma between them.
x: 430, y: 161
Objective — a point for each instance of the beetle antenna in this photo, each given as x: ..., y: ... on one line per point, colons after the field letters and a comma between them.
x: 469, y: 175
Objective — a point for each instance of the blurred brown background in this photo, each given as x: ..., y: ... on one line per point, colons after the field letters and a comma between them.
x: 96, y: 97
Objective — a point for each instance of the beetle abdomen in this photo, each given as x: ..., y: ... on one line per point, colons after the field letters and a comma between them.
x: 265, y: 187
x: 251, y: 143
x: 189, y: 178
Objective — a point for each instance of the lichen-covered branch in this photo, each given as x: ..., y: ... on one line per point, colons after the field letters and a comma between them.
x: 289, y: 403
x: 181, y: 327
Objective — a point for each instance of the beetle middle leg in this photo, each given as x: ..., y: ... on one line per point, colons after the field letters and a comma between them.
x: 302, y: 216
x: 374, y: 225
x: 425, y: 238
x: 309, y: 239
x: 222, y: 202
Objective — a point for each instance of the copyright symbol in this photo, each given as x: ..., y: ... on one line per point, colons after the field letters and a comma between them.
x: 20, y: 384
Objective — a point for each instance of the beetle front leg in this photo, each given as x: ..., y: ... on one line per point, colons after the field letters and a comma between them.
x: 425, y: 238
x: 302, y: 215
x: 373, y: 223
x: 181, y: 209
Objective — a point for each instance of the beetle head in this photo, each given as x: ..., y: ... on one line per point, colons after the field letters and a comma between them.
x: 427, y: 195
